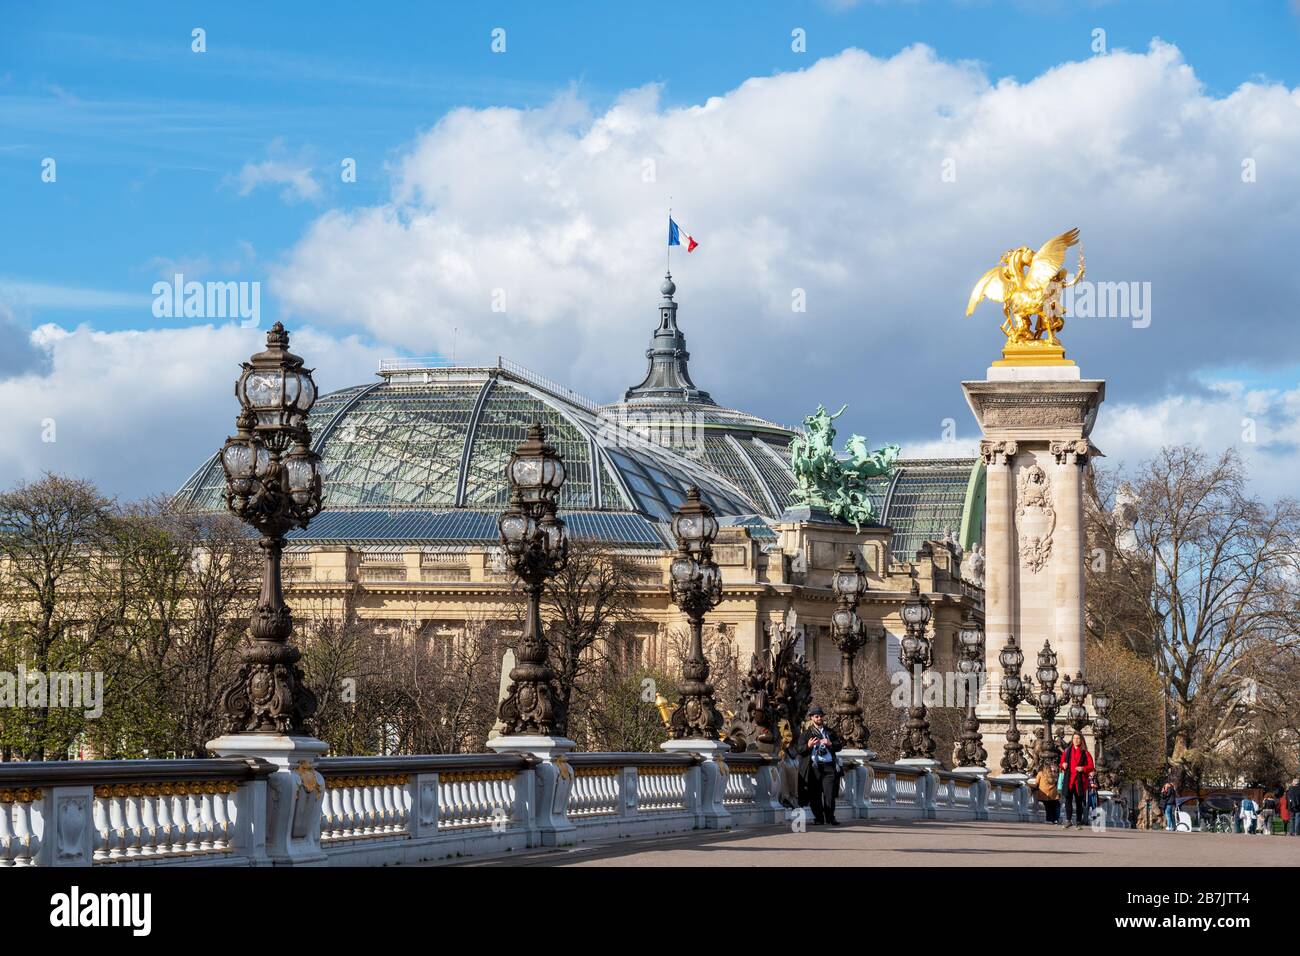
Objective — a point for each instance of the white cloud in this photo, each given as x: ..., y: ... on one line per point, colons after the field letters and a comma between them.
x: 829, y: 180
x: 1263, y: 423
x: 279, y: 169
x: 138, y: 411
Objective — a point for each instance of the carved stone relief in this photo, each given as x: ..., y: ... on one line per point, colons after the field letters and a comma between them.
x: 1035, y: 517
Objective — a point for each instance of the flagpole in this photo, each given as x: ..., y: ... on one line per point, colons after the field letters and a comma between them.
x: 668, y: 267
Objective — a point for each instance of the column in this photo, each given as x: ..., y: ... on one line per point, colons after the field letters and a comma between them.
x: 1069, y: 554
x: 1000, y: 551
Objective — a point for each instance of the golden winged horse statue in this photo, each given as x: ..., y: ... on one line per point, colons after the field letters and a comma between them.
x: 1029, y: 284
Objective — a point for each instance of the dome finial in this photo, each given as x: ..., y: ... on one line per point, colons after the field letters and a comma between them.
x: 668, y: 287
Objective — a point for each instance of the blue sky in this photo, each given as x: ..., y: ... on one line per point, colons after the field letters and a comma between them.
x: 149, y: 136
x: 520, y: 170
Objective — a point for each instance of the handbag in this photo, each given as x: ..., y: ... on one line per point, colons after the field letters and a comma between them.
x: 1060, y: 780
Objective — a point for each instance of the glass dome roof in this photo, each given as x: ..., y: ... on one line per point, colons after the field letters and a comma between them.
x: 421, y: 455
x: 436, y: 439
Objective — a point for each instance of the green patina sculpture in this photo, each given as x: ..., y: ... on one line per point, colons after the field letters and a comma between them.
x: 837, y: 485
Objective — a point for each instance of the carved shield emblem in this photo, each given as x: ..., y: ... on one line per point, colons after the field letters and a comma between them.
x: 1035, y: 517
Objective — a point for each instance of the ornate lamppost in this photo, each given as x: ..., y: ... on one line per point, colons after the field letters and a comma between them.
x: 273, y: 484
x: 1106, y: 774
x: 537, y: 547
x: 849, y: 634
x: 1077, y: 690
x: 969, y: 752
x: 696, y: 584
x: 1015, y: 690
x: 1047, y: 702
x: 915, y: 651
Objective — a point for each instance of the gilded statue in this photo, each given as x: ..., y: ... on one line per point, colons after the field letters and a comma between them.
x: 1029, y: 286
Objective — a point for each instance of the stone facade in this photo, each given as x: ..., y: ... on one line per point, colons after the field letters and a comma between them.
x: 1035, y: 424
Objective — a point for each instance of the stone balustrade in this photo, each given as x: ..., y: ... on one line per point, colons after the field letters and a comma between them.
x: 80, y: 813
x: 392, y: 810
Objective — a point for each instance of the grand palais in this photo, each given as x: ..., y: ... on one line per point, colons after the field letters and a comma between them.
x: 414, y: 467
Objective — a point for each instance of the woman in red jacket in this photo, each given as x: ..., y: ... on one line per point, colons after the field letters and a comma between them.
x: 1076, y: 764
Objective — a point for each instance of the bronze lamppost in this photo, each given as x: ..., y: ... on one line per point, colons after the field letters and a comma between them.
x: 696, y: 589
x: 915, y: 651
x: 849, y: 634
x: 1077, y: 690
x: 1047, y: 702
x: 1106, y: 773
x: 969, y: 750
x: 273, y: 484
x: 1015, y: 690
x: 537, y: 547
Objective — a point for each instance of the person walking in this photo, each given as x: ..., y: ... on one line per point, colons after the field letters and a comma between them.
x: 1247, y: 811
x: 1094, y: 798
x: 1169, y: 804
x: 819, y: 767
x: 1293, y: 807
x: 1045, y: 783
x: 1267, y: 810
x: 1076, y: 764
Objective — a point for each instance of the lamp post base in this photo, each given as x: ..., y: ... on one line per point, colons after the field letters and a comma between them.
x: 553, y: 783
x: 713, y: 778
x: 295, y: 792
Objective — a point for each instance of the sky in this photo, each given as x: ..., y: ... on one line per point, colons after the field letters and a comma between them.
x: 849, y: 169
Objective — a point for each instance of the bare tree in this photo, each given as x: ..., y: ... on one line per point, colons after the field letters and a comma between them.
x: 50, y: 531
x: 1198, y: 576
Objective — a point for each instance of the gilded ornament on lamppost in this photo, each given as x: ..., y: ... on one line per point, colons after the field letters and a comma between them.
x: 1028, y: 284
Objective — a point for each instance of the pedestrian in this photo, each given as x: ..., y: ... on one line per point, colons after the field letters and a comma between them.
x: 1267, y: 810
x: 1293, y: 807
x: 1093, y: 798
x: 1076, y: 764
x: 1247, y: 812
x: 1169, y: 804
x: 1045, y: 782
x: 819, y: 767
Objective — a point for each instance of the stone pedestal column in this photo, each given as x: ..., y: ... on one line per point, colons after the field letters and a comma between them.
x: 1035, y: 422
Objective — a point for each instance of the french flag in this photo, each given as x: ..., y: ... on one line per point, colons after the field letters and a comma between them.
x: 675, y: 234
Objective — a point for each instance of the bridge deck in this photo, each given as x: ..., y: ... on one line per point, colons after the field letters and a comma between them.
x: 918, y: 843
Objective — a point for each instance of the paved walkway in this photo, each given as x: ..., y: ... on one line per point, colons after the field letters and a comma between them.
x: 919, y: 843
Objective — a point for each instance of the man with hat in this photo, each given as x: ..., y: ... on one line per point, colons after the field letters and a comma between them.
x: 819, y: 768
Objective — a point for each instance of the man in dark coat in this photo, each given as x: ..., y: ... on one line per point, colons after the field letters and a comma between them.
x: 1292, y: 797
x: 819, y: 768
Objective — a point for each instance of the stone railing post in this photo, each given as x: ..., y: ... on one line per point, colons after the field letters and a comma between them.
x: 552, y: 784
x: 424, y: 813
x: 67, y: 824
x: 768, y: 793
x: 857, y: 785
x: 295, y: 792
x: 930, y: 806
x: 979, y: 793
x: 630, y: 794
x: 714, y: 814
x: 891, y: 789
